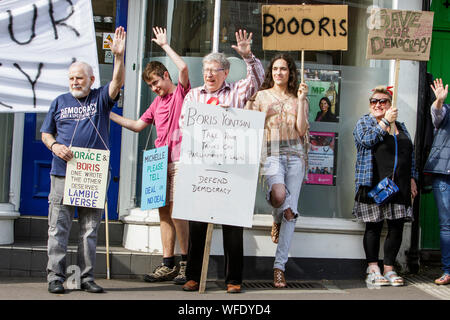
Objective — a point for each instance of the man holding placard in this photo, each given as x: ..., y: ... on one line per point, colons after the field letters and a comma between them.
x: 164, y: 112
x: 218, y: 92
x: 80, y: 119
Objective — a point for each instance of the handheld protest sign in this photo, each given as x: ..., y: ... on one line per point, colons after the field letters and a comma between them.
x: 399, y: 34
x: 154, y: 178
x: 304, y: 27
x: 86, y: 178
x: 219, y: 164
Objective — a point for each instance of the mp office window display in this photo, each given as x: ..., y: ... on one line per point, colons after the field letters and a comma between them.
x: 344, y: 77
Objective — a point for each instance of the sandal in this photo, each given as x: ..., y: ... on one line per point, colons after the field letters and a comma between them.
x: 444, y: 279
x: 374, y: 277
x: 278, y: 279
x: 275, y: 233
x: 394, y: 279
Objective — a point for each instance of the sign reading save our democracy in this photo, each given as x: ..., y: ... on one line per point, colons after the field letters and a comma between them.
x: 219, y: 165
x: 39, y: 39
x: 305, y: 27
x: 86, y: 178
x: 399, y: 34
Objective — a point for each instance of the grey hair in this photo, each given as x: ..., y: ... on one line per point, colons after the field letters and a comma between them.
x: 217, y: 57
x: 86, y: 67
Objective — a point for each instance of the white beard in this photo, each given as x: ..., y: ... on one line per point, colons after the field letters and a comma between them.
x: 79, y: 93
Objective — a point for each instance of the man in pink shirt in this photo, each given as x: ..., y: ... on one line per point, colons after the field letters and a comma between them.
x: 164, y: 113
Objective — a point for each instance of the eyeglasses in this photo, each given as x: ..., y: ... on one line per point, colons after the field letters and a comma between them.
x: 382, y: 102
x: 212, y: 71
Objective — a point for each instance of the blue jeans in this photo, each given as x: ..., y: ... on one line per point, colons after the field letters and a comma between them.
x: 441, y: 191
x: 290, y: 171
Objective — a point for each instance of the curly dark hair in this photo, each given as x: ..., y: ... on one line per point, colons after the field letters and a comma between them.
x: 293, y: 74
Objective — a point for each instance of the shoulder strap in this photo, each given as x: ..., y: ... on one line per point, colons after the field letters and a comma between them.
x: 395, y: 161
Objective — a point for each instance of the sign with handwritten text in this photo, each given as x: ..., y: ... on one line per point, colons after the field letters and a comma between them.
x: 39, y: 40
x: 219, y: 165
x: 304, y: 27
x: 399, y: 34
x: 86, y: 178
x: 154, y: 178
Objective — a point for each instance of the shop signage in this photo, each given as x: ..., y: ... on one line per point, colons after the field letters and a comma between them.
x: 219, y: 164
x: 86, y: 178
x: 304, y: 27
x: 38, y: 42
x: 399, y: 34
x: 322, y: 158
x: 154, y: 178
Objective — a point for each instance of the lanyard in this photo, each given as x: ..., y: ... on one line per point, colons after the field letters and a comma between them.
x: 90, y: 120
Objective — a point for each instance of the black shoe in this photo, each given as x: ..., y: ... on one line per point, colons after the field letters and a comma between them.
x: 91, y: 287
x: 56, y: 286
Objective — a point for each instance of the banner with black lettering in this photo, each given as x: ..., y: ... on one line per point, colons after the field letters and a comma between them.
x: 38, y: 41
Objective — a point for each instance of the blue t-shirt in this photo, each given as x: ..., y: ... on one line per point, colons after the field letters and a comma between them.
x: 64, y: 114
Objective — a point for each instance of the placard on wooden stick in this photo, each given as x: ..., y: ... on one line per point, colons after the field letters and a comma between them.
x: 399, y: 34
x: 304, y: 27
x: 86, y: 178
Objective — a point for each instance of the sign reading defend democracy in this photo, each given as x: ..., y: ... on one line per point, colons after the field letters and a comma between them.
x: 39, y: 39
x: 86, y: 178
x: 154, y: 178
x: 219, y: 164
x: 399, y: 34
x: 305, y: 27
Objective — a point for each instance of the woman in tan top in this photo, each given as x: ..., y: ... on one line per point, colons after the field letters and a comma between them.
x: 286, y: 136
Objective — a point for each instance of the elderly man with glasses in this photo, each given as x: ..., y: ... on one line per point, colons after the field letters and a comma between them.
x: 217, y: 91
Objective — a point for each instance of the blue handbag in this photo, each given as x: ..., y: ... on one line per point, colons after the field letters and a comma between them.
x: 386, y: 188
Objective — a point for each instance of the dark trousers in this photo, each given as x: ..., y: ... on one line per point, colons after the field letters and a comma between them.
x: 232, y: 246
x: 392, y: 242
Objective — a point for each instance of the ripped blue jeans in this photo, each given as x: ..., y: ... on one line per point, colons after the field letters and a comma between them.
x: 289, y: 171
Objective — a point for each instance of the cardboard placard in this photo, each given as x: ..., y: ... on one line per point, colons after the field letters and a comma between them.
x: 399, y: 34
x: 86, y: 178
x: 219, y: 164
x: 154, y: 178
x: 305, y: 27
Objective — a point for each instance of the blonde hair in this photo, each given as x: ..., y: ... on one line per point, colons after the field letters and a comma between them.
x: 383, y: 90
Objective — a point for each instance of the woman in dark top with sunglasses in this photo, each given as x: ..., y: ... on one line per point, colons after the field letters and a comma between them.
x: 375, y: 161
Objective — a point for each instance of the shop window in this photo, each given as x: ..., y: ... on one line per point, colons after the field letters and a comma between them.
x: 345, y: 77
x: 189, y: 27
x: 104, y: 12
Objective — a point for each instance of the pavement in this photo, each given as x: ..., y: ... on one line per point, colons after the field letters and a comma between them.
x: 257, y: 301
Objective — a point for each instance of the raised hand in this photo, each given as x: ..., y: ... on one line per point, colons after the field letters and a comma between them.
x: 118, y: 44
x: 302, y: 91
x: 439, y: 90
x: 160, y: 36
x: 243, y: 41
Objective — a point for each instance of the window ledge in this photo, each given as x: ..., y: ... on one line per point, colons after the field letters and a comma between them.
x: 264, y: 222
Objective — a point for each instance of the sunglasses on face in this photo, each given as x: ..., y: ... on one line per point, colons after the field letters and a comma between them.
x: 382, y: 102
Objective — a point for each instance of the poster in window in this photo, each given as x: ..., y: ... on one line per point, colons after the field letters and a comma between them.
x: 322, y: 158
x: 324, y: 91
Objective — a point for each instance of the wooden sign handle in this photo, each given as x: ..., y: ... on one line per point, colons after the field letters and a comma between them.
x: 395, y: 92
x: 108, y: 276
x: 204, y: 274
x: 302, y: 67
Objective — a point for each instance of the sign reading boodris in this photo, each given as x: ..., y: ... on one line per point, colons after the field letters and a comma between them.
x: 86, y: 178
x: 304, y: 27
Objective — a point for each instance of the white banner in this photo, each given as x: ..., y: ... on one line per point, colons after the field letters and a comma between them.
x: 219, y: 163
x: 38, y: 41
